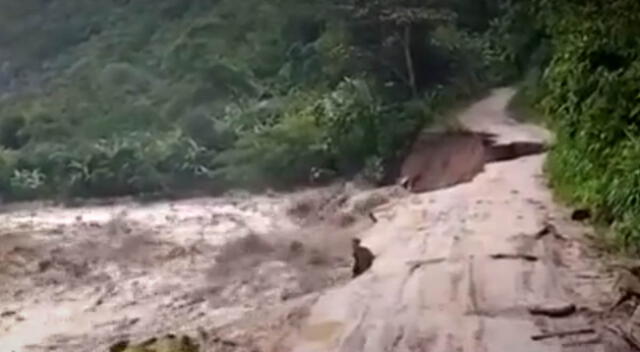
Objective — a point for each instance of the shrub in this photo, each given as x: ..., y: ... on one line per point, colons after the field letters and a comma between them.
x: 11, y: 131
x: 591, y: 96
x: 144, y: 96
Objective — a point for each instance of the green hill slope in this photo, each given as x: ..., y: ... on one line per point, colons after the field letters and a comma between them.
x: 128, y: 97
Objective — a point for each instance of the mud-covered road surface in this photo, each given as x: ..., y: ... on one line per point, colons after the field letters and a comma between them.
x: 457, y: 269
x: 462, y: 268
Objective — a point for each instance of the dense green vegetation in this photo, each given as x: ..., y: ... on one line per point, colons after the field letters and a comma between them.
x: 584, y: 77
x: 129, y: 97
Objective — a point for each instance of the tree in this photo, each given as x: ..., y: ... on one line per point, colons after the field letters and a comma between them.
x: 395, y: 26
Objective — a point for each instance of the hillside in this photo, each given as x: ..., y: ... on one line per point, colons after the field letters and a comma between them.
x: 131, y: 97
x: 209, y: 162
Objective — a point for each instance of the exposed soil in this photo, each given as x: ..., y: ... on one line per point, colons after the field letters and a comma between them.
x: 484, y: 262
x: 440, y: 160
x: 488, y: 264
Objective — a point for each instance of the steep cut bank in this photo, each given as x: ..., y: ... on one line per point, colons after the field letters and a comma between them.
x: 458, y: 269
x: 439, y: 160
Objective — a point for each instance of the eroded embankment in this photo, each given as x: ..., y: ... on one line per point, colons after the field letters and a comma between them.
x: 440, y: 160
x: 465, y: 268
x: 456, y: 268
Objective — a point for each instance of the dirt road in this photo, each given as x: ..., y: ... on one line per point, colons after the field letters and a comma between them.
x: 458, y: 269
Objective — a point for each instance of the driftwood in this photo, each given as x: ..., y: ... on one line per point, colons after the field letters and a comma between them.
x: 561, y: 334
x: 526, y: 257
x: 554, y: 311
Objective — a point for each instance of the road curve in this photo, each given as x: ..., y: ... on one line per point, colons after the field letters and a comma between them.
x: 436, y: 284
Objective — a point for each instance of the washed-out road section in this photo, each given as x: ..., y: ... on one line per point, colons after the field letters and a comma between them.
x: 458, y: 268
